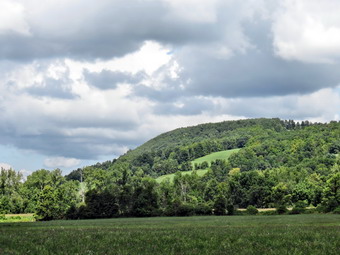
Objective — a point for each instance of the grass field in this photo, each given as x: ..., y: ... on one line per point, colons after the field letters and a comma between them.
x: 17, y: 218
x: 213, y: 156
x: 209, y: 158
x: 288, y: 234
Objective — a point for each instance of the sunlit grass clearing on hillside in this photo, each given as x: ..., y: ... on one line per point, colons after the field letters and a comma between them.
x: 213, y: 156
x: 208, y: 158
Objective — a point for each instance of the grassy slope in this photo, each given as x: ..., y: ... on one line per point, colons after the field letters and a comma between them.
x: 209, y: 158
x: 289, y: 234
x: 213, y: 156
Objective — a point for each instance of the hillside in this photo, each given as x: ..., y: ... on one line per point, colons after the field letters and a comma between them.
x: 234, y: 131
x: 170, y: 152
x: 173, y: 151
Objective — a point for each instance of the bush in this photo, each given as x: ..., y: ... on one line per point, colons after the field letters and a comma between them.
x: 337, y: 210
x: 310, y: 210
x: 203, y: 209
x: 268, y: 213
x: 281, y: 209
x: 185, y: 210
x: 321, y: 208
x: 299, y: 207
x: 251, y: 210
x: 297, y: 210
x: 230, y: 209
x: 72, y: 213
x: 204, y: 165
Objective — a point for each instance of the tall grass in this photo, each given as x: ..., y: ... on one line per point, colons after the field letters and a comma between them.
x: 295, y: 234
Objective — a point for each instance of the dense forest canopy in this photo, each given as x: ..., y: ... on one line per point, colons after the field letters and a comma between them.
x: 280, y: 163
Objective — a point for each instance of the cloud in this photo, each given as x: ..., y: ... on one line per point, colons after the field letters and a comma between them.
x: 52, y: 88
x: 257, y: 72
x: 112, y: 28
x: 185, y: 106
x: 85, y: 127
x: 308, y: 31
x: 314, y: 106
x: 108, y: 76
x: 5, y: 166
x: 12, y: 19
x: 57, y: 162
x: 107, y: 79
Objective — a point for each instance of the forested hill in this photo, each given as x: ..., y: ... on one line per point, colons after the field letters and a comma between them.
x: 233, y: 132
x: 172, y: 151
x: 275, y: 163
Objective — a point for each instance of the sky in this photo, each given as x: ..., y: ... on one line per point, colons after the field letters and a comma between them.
x: 83, y: 81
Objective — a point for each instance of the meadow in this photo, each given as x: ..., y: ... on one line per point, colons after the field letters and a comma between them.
x: 29, y: 217
x: 277, y: 234
x: 213, y: 156
x: 208, y: 158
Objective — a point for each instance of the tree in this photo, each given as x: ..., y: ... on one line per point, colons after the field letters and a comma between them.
x: 331, y: 193
x: 145, y: 199
x: 220, y: 204
x: 50, y: 194
x: 48, y: 204
x: 11, y: 200
x: 100, y: 204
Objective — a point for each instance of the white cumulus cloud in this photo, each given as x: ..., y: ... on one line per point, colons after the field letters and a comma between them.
x: 308, y: 30
x: 12, y: 18
x: 57, y: 162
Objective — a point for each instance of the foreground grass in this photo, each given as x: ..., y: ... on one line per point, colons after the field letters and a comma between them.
x: 293, y: 234
x: 208, y: 158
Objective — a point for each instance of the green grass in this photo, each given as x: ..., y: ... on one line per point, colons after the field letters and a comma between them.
x: 209, y: 158
x: 289, y: 234
x: 6, y: 218
x: 213, y: 156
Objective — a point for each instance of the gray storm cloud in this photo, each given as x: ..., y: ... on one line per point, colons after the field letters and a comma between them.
x: 232, y: 58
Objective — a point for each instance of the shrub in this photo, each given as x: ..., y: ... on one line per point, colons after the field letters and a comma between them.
x: 321, y: 208
x: 203, y: 209
x: 281, y: 209
x: 204, y: 165
x: 252, y: 210
x: 185, y: 210
x: 337, y: 210
x: 297, y: 210
x: 299, y: 207
x: 230, y: 209
x: 268, y: 213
